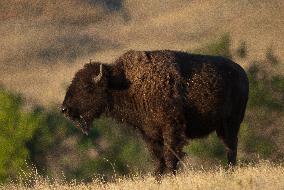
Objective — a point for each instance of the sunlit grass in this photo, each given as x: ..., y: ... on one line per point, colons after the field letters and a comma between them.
x: 264, y: 175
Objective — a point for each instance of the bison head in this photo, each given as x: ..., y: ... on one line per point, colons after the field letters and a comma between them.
x: 86, y: 97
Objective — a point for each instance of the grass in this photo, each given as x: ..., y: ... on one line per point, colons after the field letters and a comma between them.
x: 263, y: 175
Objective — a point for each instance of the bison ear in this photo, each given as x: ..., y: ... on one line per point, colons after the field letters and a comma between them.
x: 116, y: 78
x: 99, y: 77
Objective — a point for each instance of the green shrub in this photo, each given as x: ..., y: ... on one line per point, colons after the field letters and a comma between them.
x: 209, y: 148
x: 219, y: 47
x: 252, y: 143
x: 263, y: 88
x: 125, y: 152
x: 114, y: 147
x: 46, y: 140
x: 16, y: 129
x: 242, y: 50
x: 271, y: 57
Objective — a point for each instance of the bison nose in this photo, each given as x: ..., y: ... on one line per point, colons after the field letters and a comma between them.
x: 63, y: 109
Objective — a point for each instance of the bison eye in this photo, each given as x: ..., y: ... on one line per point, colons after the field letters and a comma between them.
x: 88, y: 88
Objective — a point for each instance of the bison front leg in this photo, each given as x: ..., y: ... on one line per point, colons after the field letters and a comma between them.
x: 174, y: 141
x: 156, y: 151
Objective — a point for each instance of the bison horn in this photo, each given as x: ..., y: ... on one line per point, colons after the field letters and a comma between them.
x: 100, y: 76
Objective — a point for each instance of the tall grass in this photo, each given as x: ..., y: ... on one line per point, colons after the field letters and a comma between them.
x: 260, y: 176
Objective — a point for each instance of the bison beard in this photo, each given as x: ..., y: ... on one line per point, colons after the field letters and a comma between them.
x: 169, y: 96
x: 82, y: 124
x: 79, y: 122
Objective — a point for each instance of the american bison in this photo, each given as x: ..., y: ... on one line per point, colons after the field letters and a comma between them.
x: 169, y: 96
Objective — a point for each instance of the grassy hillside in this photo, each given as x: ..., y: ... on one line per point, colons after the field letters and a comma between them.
x: 44, y: 42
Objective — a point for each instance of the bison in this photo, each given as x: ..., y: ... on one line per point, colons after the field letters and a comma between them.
x: 169, y: 96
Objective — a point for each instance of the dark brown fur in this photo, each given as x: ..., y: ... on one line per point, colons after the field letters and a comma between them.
x: 169, y: 96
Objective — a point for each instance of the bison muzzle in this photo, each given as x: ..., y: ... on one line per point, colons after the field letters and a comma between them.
x: 169, y: 96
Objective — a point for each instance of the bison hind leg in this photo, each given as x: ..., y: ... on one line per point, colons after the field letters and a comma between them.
x: 229, y: 135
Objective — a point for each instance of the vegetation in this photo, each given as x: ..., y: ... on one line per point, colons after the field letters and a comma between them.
x: 17, y: 128
x: 46, y: 140
x: 242, y: 51
x: 219, y: 47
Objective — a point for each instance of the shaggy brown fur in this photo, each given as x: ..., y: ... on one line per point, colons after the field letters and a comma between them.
x: 169, y: 96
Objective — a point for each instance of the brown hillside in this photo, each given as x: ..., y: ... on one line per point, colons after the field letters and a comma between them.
x: 44, y: 42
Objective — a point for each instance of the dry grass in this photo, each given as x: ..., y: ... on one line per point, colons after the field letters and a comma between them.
x: 261, y: 176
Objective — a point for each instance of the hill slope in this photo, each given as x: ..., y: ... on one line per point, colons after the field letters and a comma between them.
x: 43, y: 44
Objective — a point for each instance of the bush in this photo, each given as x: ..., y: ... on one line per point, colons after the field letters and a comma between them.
x: 46, y: 140
x: 242, y: 50
x: 263, y: 89
x: 211, y: 148
x: 58, y: 147
x: 254, y: 145
x: 219, y: 47
x: 16, y: 129
x: 271, y: 57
